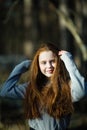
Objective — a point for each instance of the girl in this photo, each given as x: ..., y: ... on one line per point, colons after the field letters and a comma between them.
x: 54, y: 84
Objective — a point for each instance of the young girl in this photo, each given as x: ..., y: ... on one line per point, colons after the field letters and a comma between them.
x: 54, y: 84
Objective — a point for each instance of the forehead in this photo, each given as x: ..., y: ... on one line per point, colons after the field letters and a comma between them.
x: 46, y: 55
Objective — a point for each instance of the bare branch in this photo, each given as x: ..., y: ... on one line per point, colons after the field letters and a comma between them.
x: 68, y: 23
x: 10, y: 11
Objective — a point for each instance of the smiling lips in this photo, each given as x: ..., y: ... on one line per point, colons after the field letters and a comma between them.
x: 50, y: 71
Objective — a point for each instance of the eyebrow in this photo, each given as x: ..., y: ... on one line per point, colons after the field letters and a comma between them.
x: 46, y: 60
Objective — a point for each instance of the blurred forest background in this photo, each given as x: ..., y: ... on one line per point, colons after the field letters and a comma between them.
x: 23, y: 24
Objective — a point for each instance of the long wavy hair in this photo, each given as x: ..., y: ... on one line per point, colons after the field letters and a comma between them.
x: 51, y: 95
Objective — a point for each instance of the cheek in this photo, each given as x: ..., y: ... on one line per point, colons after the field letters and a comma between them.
x: 41, y: 67
x: 54, y: 65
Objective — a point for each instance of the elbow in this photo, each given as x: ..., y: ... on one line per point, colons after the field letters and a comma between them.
x: 77, y: 96
x: 78, y: 90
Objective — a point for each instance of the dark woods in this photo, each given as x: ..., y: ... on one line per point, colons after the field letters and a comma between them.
x: 23, y: 24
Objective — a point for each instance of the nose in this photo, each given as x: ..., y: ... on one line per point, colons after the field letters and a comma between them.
x: 49, y: 64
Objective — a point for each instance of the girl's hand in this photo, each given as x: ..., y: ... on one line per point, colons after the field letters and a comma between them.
x: 62, y: 52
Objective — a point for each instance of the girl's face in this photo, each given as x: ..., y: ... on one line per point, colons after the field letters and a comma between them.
x: 47, y: 63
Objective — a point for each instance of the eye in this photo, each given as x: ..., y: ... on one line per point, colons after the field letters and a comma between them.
x: 43, y: 62
x: 53, y: 61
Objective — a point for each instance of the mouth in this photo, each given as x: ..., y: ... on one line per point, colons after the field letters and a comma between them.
x: 50, y: 71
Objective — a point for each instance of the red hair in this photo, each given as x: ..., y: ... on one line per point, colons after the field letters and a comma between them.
x: 50, y: 95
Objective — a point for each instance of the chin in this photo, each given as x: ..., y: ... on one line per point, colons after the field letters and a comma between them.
x: 48, y: 76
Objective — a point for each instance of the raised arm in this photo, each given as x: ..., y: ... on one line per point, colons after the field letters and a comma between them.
x: 77, y: 80
x: 11, y: 88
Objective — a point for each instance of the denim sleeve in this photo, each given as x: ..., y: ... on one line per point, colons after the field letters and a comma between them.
x: 77, y: 83
x: 11, y: 88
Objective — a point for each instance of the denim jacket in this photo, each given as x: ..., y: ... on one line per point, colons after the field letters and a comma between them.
x: 13, y: 89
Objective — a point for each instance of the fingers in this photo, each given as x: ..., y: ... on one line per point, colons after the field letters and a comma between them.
x: 62, y: 52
